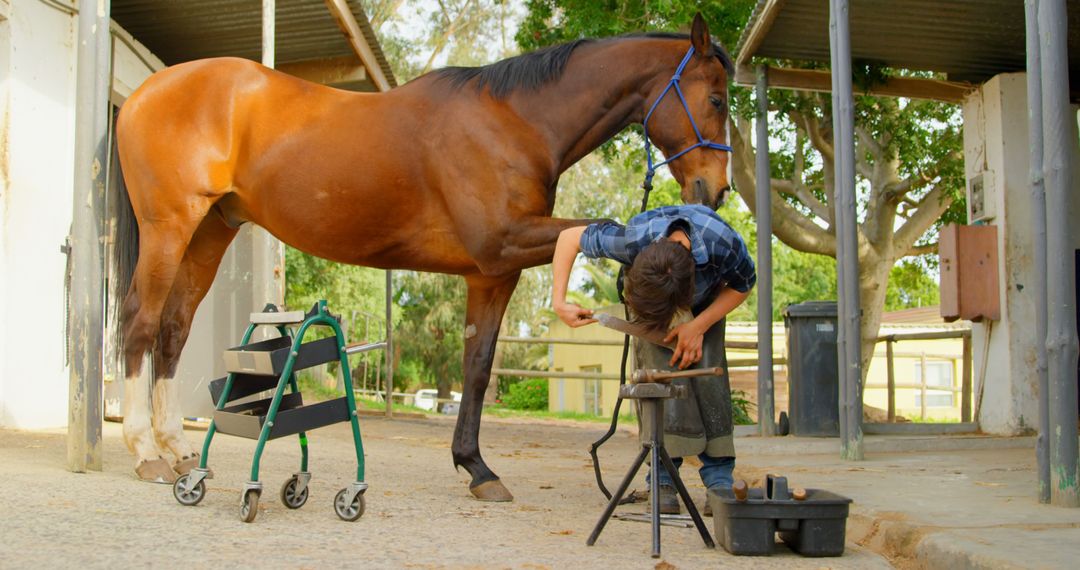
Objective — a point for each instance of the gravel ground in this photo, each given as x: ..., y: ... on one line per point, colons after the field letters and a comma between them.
x: 419, y: 512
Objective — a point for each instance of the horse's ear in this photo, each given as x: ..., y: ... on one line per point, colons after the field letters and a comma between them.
x: 699, y: 36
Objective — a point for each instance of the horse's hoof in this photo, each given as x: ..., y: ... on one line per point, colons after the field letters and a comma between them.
x: 492, y: 491
x: 183, y: 467
x: 156, y: 471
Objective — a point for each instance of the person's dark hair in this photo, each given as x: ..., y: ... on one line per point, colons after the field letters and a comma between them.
x: 659, y: 283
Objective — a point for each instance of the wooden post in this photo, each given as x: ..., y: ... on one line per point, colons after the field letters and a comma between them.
x: 890, y: 363
x: 922, y: 385
x: 965, y: 382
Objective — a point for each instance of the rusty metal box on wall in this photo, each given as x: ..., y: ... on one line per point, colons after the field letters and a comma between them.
x: 969, y: 273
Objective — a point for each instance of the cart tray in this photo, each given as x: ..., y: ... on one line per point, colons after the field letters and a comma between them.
x: 243, y: 386
x: 812, y: 527
x: 269, y: 356
x: 246, y: 420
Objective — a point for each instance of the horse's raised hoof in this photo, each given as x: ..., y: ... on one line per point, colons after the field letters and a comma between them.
x: 492, y: 491
x: 156, y: 471
x: 184, y: 466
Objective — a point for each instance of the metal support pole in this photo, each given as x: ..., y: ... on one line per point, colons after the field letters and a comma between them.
x: 1059, y: 135
x: 267, y: 252
x: 1038, y: 212
x: 86, y: 291
x: 766, y: 414
x: 838, y: 225
x: 389, y: 382
x: 851, y: 444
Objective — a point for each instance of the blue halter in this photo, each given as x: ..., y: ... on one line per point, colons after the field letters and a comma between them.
x: 702, y: 141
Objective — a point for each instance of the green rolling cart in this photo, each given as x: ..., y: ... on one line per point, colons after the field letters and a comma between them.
x: 272, y: 365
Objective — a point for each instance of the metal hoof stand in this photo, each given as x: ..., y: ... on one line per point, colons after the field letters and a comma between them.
x: 651, y: 387
x: 272, y: 365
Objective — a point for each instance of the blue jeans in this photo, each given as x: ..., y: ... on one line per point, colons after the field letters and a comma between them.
x: 715, y: 471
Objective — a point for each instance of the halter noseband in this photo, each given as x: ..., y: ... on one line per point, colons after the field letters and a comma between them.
x: 702, y: 141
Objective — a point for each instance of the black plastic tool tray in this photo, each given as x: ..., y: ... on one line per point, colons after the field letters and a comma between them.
x: 268, y: 357
x: 815, y: 526
x: 246, y: 420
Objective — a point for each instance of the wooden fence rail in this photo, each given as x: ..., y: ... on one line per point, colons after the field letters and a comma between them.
x: 965, y: 382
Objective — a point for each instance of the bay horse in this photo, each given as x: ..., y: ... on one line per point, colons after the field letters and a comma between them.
x: 454, y: 172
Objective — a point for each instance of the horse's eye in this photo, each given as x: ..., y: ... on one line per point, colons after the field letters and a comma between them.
x: 717, y: 102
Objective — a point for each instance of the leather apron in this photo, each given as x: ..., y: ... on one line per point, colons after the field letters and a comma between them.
x: 701, y: 422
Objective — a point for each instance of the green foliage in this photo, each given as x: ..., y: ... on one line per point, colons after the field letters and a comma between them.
x: 556, y: 21
x: 741, y: 407
x: 430, y: 333
x: 313, y: 389
x: 911, y: 285
x: 529, y: 394
x: 346, y: 288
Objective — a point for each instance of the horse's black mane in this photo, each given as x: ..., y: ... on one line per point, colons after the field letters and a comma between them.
x: 534, y: 69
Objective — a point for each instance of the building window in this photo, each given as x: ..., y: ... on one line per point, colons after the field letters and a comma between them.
x: 593, y: 392
x: 938, y: 375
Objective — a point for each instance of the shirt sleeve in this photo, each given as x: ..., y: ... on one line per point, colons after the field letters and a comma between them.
x: 606, y: 239
x: 737, y: 267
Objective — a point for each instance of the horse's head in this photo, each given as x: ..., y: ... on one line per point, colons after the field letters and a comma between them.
x: 698, y: 96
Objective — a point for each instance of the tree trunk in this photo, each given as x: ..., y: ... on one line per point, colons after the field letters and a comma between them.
x: 873, y: 283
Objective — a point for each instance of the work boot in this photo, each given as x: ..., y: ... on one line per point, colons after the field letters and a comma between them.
x: 707, y: 511
x: 669, y: 501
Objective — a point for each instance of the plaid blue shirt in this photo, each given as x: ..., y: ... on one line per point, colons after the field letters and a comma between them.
x: 719, y: 251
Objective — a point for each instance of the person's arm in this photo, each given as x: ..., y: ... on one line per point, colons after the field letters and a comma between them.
x: 566, y: 250
x: 691, y: 334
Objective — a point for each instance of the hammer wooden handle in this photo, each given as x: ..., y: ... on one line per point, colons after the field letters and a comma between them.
x: 664, y: 377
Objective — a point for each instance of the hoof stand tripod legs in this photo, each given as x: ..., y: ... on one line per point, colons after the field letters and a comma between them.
x: 652, y: 396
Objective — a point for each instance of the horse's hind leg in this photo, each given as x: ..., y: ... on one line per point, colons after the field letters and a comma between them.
x: 161, y: 250
x: 193, y: 280
x: 487, y: 300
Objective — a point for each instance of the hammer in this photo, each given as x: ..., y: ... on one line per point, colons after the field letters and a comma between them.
x: 648, y: 375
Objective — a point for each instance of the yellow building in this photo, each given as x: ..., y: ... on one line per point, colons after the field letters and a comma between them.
x: 599, y: 350
x: 939, y: 361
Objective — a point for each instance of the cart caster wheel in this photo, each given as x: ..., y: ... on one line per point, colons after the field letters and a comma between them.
x: 289, y: 497
x: 349, y: 512
x: 184, y: 495
x: 249, y: 505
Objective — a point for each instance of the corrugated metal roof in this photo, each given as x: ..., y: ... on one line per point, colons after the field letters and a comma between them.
x: 196, y: 29
x: 969, y: 40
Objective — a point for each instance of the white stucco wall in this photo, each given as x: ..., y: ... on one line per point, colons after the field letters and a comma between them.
x: 38, y: 128
x: 996, y: 144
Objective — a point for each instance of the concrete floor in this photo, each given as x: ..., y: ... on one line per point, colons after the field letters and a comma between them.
x: 944, y: 509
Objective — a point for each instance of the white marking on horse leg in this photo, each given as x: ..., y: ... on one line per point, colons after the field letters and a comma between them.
x: 168, y: 423
x: 137, y: 432
x: 470, y: 331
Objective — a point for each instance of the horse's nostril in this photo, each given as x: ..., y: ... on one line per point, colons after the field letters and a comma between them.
x: 701, y: 196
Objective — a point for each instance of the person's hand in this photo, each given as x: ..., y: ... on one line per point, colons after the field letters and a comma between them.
x: 688, y: 348
x: 574, y: 315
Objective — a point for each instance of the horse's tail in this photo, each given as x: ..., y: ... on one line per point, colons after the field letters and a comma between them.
x: 125, y: 245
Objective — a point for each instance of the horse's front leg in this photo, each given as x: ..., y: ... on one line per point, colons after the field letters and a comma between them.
x: 487, y: 299
x: 529, y: 241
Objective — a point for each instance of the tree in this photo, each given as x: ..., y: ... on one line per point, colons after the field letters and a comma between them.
x: 909, y: 163
x: 428, y: 338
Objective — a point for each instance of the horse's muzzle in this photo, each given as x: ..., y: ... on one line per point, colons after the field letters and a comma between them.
x: 701, y: 196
